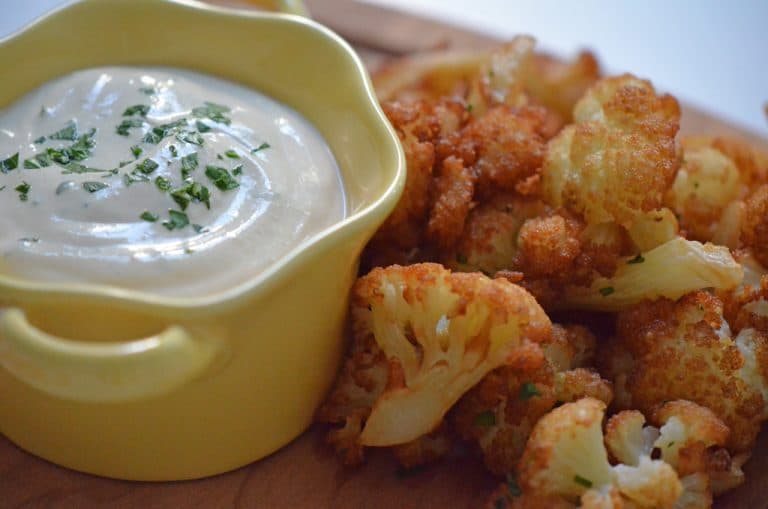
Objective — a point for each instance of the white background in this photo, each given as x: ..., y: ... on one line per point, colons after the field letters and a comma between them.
x: 708, y: 53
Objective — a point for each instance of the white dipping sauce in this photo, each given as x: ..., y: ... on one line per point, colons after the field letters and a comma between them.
x: 79, y: 226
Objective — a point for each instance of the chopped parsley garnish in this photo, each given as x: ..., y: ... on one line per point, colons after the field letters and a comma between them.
x: 136, y: 109
x: 147, y: 166
x: 202, y: 127
x: 39, y: 140
x: 606, y: 291
x: 133, y: 177
x: 512, y: 486
x: 670, y: 444
x: 199, y: 228
x: 583, y: 481
x: 78, y: 151
x: 487, y: 418
x: 190, y: 137
x: 162, y: 183
x: 93, y: 187
x: 461, y: 258
x: 68, y: 132
x: 124, y: 129
x: 156, y: 134
x: 173, y: 151
x: 38, y: 161
x: 148, y: 216
x: 232, y: 154
x: 528, y: 390
x: 192, y: 191
x: 212, y: 111
x: 10, y: 163
x: 136, y: 151
x: 188, y: 163
x: 221, y: 178
x: 261, y: 147
x: 177, y: 221
x: 469, y: 108
x: 637, y: 259
x: 148, y: 90
x: 78, y: 168
x: 2, y: 187
x: 23, y: 190
x: 237, y: 170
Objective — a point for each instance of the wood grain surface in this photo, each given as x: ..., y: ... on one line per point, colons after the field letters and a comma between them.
x: 305, y: 474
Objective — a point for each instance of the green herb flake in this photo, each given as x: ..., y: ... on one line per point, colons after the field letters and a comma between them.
x: 606, y: 291
x: 173, y: 151
x: 40, y: 140
x: 512, y: 487
x: 123, y: 129
x: 461, y: 258
x: 78, y: 151
x: 42, y: 160
x: 469, y: 108
x: 178, y: 220
x: 237, y: 170
x: 232, y: 154
x: 670, y: 444
x: 487, y: 418
x: 11, y: 163
x: 93, y: 187
x: 136, y: 151
x: 637, y: 259
x: 2, y: 187
x: 162, y: 183
x: 582, y: 481
x: 199, y: 228
x: 133, y: 177
x: 147, y: 166
x: 202, y: 127
x: 68, y: 132
x: 29, y: 240
x: 148, y: 90
x: 148, y: 216
x: 156, y: 134
x: 528, y: 390
x: 189, y: 162
x: 23, y: 190
x: 221, y: 178
x: 190, y: 137
x: 78, y: 168
x: 261, y: 147
x: 136, y: 109
x: 212, y: 111
x: 181, y: 197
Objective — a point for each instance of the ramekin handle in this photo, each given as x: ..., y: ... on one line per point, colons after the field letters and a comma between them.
x: 101, y: 372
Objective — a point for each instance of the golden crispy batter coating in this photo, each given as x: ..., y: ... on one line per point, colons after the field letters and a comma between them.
x: 509, y: 144
x: 421, y: 337
x: 754, y: 229
x: 619, y: 159
x: 548, y: 246
x: 488, y: 242
x: 452, y: 191
x: 499, y: 413
x: 684, y: 350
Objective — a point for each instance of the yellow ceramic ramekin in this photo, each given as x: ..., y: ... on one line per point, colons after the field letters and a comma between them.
x: 137, y: 386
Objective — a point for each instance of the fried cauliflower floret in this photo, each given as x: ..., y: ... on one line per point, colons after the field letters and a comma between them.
x: 508, y: 145
x: 670, y: 271
x: 499, y: 413
x: 754, y: 229
x: 558, y: 85
x: 707, y: 183
x: 667, y: 350
x: 422, y: 337
x: 616, y: 163
x: 419, y: 126
x: 565, y: 457
x: 453, y: 189
x: 489, y: 241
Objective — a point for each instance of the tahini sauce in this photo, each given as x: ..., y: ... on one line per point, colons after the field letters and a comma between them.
x: 288, y: 187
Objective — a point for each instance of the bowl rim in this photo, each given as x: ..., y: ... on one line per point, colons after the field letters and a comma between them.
x: 264, y: 282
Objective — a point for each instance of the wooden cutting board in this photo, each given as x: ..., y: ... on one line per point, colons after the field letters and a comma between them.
x: 305, y: 473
